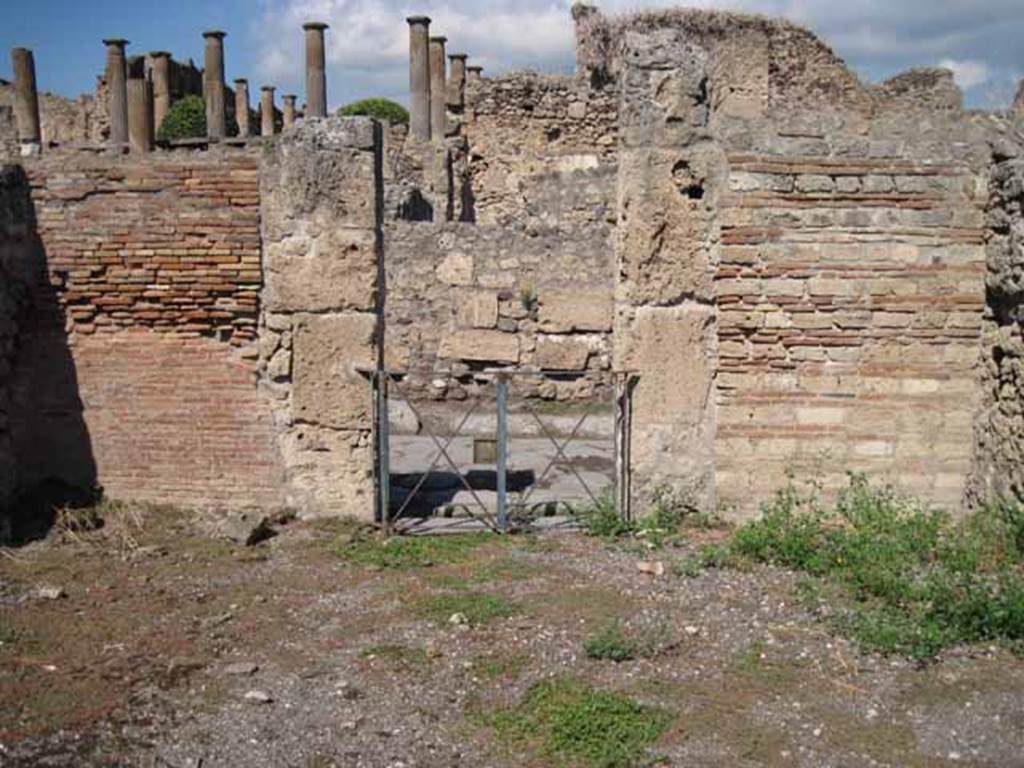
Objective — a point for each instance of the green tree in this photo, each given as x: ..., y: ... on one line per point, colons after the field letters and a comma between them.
x: 186, y: 119
x: 382, y: 109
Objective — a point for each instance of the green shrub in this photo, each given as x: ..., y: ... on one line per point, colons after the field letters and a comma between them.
x: 382, y: 109
x: 603, y: 519
x: 610, y: 644
x: 905, y: 578
x: 566, y: 722
x: 186, y: 119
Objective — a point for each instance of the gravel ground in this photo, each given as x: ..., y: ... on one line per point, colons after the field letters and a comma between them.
x: 174, y: 649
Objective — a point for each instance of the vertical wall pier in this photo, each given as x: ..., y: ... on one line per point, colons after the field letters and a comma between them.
x: 117, y: 91
x: 140, y: 115
x: 457, y: 81
x: 438, y: 101
x: 267, y: 126
x: 419, y: 77
x: 289, y: 110
x: 26, y: 100
x: 213, y: 84
x: 316, y: 73
x: 161, y: 86
x: 242, y: 107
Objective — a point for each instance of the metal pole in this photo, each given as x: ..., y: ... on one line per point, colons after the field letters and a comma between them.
x: 383, y: 452
x: 502, y: 453
x: 623, y: 427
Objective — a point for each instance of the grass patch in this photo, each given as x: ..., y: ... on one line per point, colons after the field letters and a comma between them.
x: 568, y: 723
x: 754, y: 665
x: 473, y: 608
x: 396, y: 653
x: 500, y: 666
x: 893, y: 574
x: 403, y: 552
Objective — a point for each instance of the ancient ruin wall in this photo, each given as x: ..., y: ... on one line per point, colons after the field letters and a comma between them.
x: 320, y: 329
x: 523, y: 274
x: 999, y: 429
x: 137, y: 364
x: 812, y: 247
x: 15, y: 246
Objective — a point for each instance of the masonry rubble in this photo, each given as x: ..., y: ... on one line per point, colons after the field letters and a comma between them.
x: 801, y: 271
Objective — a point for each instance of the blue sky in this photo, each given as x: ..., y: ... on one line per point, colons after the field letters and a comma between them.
x: 981, y: 40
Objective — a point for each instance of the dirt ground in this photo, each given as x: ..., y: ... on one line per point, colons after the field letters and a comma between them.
x: 163, y: 646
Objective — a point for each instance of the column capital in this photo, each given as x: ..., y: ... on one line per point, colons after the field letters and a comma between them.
x: 241, y: 81
x: 318, y: 25
x: 160, y: 54
x: 458, y: 56
x: 268, y: 87
x: 217, y: 33
x: 417, y: 20
x: 439, y: 39
x: 115, y: 42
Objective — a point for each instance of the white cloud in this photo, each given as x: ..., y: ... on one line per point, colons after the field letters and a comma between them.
x: 368, y: 39
x: 967, y: 74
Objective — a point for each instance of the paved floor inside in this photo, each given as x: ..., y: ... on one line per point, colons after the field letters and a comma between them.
x: 581, y: 474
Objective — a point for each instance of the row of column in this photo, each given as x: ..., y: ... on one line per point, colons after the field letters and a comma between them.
x: 138, y: 105
x: 432, y: 91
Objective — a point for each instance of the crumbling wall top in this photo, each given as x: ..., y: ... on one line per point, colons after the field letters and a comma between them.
x: 758, y: 63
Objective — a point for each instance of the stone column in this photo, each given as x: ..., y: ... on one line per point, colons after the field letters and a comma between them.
x: 316, y: 72
x: 26, y: 99
x: 117, y: 90
x: 213, y: 84
x: 242, y: 107
x: 267, y: 127
x: 161, y: 86
x: 289, y: 110
x: 438, y: 105
x: 419, y: 76
x: 474, y: 73
x: 457, y: 81
x: 140, y: 114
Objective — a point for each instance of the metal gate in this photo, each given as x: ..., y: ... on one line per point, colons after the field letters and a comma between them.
x: 406, y: 496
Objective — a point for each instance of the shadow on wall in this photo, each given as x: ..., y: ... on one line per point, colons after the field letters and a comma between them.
x: 48, y: 438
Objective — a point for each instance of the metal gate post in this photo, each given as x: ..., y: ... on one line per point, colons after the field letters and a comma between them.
x: 502, y: 484
x: 383, y: 445
x: 623, y: 429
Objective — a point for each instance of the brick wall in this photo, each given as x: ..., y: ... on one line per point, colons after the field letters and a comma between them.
x: 170, y: 244
x: 850, y: 299
x: 138, y: 368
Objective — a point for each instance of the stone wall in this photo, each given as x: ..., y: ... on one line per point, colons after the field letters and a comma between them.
x: 189, y: 340
x: 803, y: 253
x: 15, y: 245
x: 321, y: 207
x: 999, y: 429
x: 513, y: 266
x: 63, y: 120
x: 137, y: 363
x: 462, y: 297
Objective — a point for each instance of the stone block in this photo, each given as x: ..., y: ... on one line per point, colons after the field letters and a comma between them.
x: 481, y: 346
x: 477, y: 309
x: 330, y: 472
x: 335, y: 270
x: 456, y: 269
x: 568, y: 311
x: 328, y: 390
x: 558, y: 353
